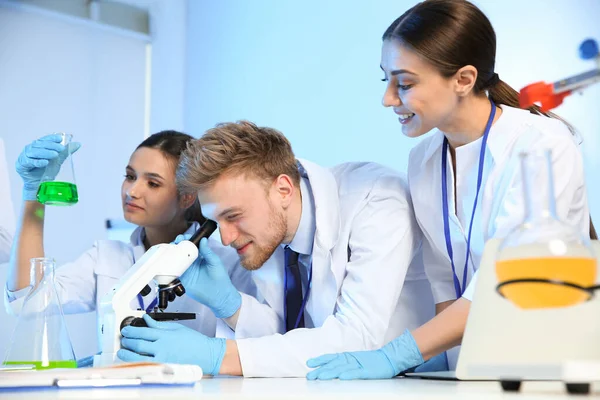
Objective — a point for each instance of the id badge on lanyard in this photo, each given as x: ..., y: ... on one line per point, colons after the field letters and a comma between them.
x: 460, y: 289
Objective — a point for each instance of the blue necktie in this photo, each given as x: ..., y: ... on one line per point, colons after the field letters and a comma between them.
x: 293, y: 291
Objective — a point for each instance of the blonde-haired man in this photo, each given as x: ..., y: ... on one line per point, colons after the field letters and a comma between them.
x: 332, y: 254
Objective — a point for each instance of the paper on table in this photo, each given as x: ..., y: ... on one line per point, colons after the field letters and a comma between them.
x: 119, y: 375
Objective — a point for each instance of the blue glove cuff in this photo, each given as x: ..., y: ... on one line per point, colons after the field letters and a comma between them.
x: 219, y: 348
x: 232, y: 303
x: 29, y: 193
x: 403, y: 353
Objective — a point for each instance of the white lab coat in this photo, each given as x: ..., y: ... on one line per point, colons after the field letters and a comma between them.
x: 7, y: 212
x: 368, y: 282
x: 500, y: 205
x: 82, y: 283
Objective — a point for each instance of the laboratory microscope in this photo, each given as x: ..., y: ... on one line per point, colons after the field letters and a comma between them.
x: 162, y: 263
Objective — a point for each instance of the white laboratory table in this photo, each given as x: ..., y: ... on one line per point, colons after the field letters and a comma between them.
x: 300, y: 388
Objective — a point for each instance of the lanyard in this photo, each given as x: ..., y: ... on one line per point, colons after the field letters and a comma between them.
x: 304, y: 299
x: 457, y: 286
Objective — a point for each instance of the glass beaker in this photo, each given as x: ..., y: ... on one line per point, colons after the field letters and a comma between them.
x: 57, y: 186
x: 40, y: 337
x: 544, y: 262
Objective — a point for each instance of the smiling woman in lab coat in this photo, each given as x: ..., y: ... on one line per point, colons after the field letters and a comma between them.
x: 150, y: 199
x: 438, y: 59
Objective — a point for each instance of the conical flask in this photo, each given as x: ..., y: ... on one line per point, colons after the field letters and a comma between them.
x: 544, y: 262
x: 57, y: 186
x: 40, y: 337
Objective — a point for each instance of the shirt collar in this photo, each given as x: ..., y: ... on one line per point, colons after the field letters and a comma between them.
x: 305, y: 234
x: 502, y: 132
x: 137, y: 236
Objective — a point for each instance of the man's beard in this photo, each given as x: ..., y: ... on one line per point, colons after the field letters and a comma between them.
x: 278, y: 227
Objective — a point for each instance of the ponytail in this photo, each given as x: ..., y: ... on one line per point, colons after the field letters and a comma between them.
x: 502, y: 93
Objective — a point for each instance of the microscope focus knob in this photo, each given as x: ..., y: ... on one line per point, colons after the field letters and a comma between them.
x: 133, y: 321
x: 179, y: 290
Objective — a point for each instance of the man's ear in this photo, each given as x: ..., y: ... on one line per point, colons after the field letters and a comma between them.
x: 464, y: 80
x: 285, y: 189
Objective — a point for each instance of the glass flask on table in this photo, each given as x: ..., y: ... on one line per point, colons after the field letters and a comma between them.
x: 57, y: 186
x: 544, y: 262
x: 40, y: 338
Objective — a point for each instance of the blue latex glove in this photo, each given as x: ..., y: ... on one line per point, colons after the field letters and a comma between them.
x: 208, y: 282
x: 170, y: 342
x: 395, y: 357
x: 437, y: 363
x: 34, y: 159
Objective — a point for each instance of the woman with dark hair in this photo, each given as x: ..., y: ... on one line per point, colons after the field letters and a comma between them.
x: 150, y: 199
x: 438, y: 61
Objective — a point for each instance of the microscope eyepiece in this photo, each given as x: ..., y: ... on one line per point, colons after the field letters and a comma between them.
x: 207, y: 228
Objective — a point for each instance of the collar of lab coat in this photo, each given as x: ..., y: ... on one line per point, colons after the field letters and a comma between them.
x: 137, y: 236
x: 303, y: 240
x: 502, y: 132
x: 326, y: 200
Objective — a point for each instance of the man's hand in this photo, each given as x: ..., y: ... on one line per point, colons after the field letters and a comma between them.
x: 170, y: 342
x: 395, y: 357
x: 207, y: 282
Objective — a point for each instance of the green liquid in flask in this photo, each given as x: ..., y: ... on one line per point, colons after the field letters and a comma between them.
x: 45, y: 365
x: 57, y: 193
